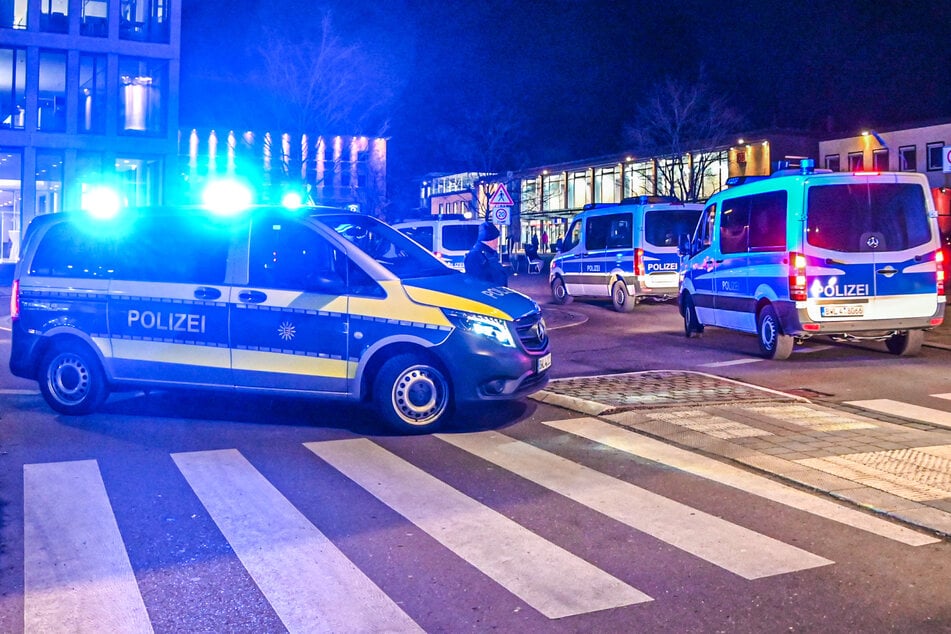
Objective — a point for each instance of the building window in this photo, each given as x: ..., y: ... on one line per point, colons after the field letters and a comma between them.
x: 577, y: 190
x: 856, y: 161
x: 49, y: 182
x: 92, y: 93
x: 142, y: 96
x: 95, y: 18
x: 880, y: 159
x: 54, y: 16
x: 638, y: 179
x: 140, y: 181
x: 51, y: 102
x: 13, y: 14
x: 833, y: 162
x: 554, y: 196
x: 907, y: 158
x: 607, y: 185
x: 933, y: 152
x: 12, y: 87
x: 87, y: 177
x: 144, y: 20
x: 11, y: 175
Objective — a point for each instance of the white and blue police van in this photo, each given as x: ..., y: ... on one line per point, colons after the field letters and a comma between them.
x: 448, y: 237
x: 626, y: 252
x: 809, y: 252
x: 305, y: 302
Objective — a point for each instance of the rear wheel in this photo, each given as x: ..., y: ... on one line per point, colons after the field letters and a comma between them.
x: 412, y: 394
x: 906, y: 344
x: 71, y: 379
x: 622, y: 300
x: 559, y: 293
x: 772, y: 342
x: 692, y: 325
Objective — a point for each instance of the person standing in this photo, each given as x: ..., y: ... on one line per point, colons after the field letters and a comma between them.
x: 544, y: 241
x: 482, y: 260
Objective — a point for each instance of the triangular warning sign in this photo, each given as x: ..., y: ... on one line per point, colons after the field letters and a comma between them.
x: 501, y: 197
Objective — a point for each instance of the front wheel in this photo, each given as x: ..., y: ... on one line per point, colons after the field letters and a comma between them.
x: 906, y: 344
x: 71, y: 379
x: 692, y: 325
x: 772, y: 342
x: 559, y: 293
x: 412, y: 394
x: 622, y: 300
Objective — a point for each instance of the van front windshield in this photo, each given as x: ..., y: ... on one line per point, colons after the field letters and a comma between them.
x: 867, y: 217
x: 400, y: 255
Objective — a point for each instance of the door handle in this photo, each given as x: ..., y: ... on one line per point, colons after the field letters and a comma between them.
x: 252, y: 297
x: 207, y: 292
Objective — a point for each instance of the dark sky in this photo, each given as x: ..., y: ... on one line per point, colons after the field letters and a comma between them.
x: 577, y: 68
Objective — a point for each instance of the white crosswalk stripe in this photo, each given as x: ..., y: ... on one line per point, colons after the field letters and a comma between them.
x: 310, y: 584
x: 76, y: 573
x: 734, y: 548
x: 547, y: 577
x: 906, y: 410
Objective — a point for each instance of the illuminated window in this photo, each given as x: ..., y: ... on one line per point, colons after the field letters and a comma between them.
x: 907, y: 158
x: 95, y: 18
x: 92, y: 93
x: 144, y: 20
x: 140, y: 180
x: 54, y: 16
x: 51, y: 102
x: 12, y: 87
x: 856, y: 161
x: 554, y: 196
x: 49, y: 182
x: 607, y: 184
x: 577, y: 190
x: 142, y: 85
x: 13, y: 14
x: 933, y: 152
x: 11, y: 187
x: 833, y: 162
x: 880, y: 159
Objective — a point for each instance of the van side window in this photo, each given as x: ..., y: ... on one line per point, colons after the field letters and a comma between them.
x: 290, y: 256
x: 68, y: 251
x: 768, y: 221
x: 423, y: 235
x: 735, y: 225
x: 572, y: 236
x: 608, y: 232
x: 459, y: 237
x: 184, y: 254
x: 705, y: 227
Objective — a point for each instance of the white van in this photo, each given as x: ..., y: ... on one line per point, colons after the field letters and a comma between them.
x: 626, y: 252
x: 448, y: 238
x: 811, y: 252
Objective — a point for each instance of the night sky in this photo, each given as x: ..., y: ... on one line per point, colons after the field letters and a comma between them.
x: 574, y: 70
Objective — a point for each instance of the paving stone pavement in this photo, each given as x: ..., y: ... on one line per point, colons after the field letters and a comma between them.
x: 898, y: 470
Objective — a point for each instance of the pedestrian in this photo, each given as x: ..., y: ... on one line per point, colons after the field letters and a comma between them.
x: 544, y: 241
x: 482, y: 261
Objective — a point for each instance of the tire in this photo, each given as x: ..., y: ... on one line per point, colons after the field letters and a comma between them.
x: 622, y: 300
x: 692, y: 325
x: 72, y: 380
x: 412, y: 394
x: 906, y: 344
x: 559, y: 292
x: 772, y: 342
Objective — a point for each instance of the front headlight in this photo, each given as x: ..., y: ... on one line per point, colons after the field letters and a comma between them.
x: 482, y: 325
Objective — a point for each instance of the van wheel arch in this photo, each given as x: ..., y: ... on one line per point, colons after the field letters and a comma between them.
x: 71, y: 376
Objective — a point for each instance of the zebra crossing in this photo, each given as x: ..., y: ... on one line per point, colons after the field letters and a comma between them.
x: 78, y: 575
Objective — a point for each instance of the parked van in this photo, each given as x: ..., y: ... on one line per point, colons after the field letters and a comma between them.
x: 626, y: 252
x: 811, y: 252
x: 449, y: 238
x: 330, y: 304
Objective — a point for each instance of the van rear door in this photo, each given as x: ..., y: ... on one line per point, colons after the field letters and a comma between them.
x: 872, y: 243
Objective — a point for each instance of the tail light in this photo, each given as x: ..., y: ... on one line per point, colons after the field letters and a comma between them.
x: 15, y: 300
x: 797, y: 277
x: 638, y: 261
x: 939, y: 256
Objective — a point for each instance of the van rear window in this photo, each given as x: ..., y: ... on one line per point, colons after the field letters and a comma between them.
x: 867, y: 217
x: 662, y: 227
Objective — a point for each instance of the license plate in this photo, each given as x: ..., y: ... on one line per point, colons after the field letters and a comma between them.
x: 842, y: 310
x: 544, y: 362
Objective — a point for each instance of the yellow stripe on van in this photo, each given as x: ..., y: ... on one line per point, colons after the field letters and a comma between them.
x: 398, y: 306
x: 454, y: 302
x: 163, y: 352
x: 280, y: 363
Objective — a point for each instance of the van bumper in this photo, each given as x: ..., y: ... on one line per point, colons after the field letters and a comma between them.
x: 796, y: 322
x: 23, y: 351
x: 482, y: 370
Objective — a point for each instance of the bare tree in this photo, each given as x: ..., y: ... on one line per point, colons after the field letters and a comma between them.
x: 321, y: 83
x: 684, y: 126
x: 484, y: 135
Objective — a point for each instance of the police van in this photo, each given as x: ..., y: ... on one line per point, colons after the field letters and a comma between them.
x: 449, y: 238
x: 626, y: 252
x: 329, y: 303
x: 810, y: 252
